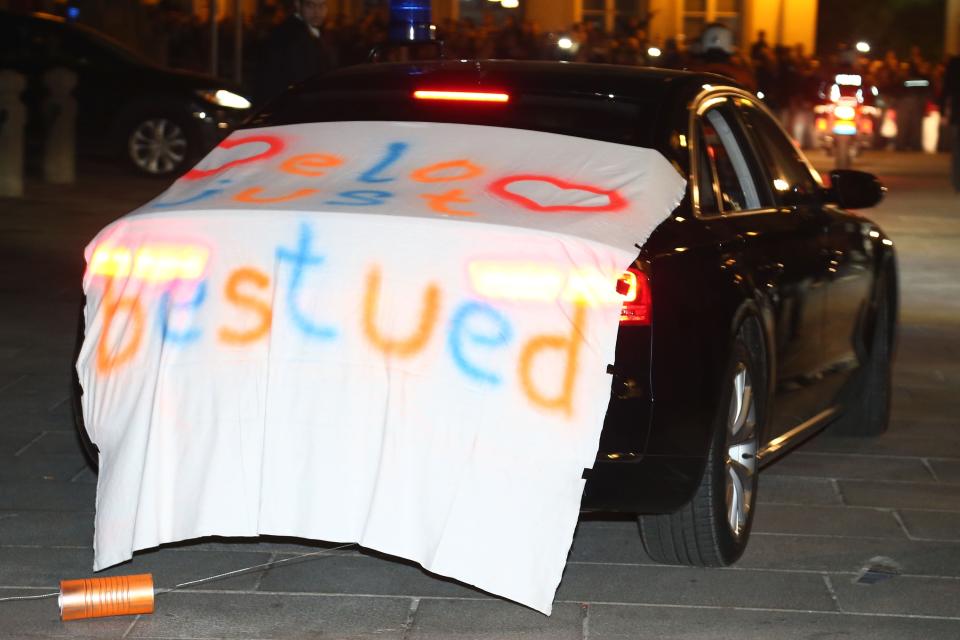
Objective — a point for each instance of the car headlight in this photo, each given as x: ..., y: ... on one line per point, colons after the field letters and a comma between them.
x: 224, y: 98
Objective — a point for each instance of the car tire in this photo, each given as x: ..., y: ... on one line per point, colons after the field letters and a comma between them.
x: 713, y: 528
x: 158, y: 144
x: 90, y: 451
x: 867, y: 403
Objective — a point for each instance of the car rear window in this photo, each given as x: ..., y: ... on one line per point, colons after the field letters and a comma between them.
x: 593, y: 116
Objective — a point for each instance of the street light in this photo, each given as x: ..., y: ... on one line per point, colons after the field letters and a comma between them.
x: 654, y: 52
x: 510, y: 4
x: 863, y: 47
x: 565, y: 43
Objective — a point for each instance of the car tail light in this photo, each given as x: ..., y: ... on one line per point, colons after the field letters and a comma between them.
x: 462, y: 96
x: 634, y: 286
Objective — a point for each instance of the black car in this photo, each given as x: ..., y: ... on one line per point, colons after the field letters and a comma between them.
x: 767, y: 311
x: 159, y: 120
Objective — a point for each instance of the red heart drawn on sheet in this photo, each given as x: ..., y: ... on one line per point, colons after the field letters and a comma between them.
x: 276, y: 145
x: 615, y: 201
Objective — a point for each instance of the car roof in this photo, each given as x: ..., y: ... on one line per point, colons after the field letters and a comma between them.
x: 534, y: 76
x: 629, y: 105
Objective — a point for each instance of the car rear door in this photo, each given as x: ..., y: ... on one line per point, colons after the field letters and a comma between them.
x: 780, y: 253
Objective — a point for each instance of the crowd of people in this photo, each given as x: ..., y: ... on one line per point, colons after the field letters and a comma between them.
x: 790, y: 79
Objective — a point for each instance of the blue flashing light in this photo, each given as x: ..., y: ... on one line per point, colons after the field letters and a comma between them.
x: 410, y: 21
x: 73, y: 13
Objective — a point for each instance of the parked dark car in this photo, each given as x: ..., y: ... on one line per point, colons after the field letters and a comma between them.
x: 771, y: 311
x: 158, y: 120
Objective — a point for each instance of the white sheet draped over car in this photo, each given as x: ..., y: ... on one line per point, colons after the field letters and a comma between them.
x: 394, y: 334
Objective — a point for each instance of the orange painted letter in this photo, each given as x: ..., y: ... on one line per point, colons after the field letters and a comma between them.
x: 466, y: 170
x: 439, y: 202
x: 568, y: 344
x: 107, y: 361
x: 311, y: 164
x: 250, y: 195
x: 262, y: 309
x: 401, y: 347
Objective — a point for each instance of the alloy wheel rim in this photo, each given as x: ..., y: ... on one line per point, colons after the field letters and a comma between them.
x: 158, y: 145
x: 741, y: 446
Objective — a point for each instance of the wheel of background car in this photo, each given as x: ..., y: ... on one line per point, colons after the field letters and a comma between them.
x: 867, y: 400
x: 158, y: 145
x: 713, y: 528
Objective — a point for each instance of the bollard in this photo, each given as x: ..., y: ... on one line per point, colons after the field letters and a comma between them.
x: 13, y: 117
x: 60, y: 109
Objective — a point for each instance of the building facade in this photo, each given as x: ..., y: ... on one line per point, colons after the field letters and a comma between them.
x: 786, y: 22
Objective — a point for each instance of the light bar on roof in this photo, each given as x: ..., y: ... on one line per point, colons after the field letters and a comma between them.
x: 466, y: 96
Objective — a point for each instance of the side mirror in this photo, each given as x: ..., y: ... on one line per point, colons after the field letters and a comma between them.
x: 854, y: 189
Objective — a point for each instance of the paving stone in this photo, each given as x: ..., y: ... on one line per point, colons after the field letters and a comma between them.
x: 921, y: 401
x: 50, y: 388
x: 608, y: 542
x: 47, y: 528
x: 13, y: 440
x: 47, y: 495
x: 8, y: 378
x: 15, y: 406
x: 690, y: 586
x: 932, y: 525
x: 493, y: 619
x: 797, y: 490
x: 946, y: 470
x: 904, y: 595
x: 29, y: 414
x: 928, y: 438
x: 55, y: 442
x: 828, y: 521
x: 288, y: 546
x: 41, y: 467
x: 289, y: 616
x: 41, y: 619
x: 86, y: 476
x: 924, y: 377
x: 815, y: 553
x: 358, y: 574
x: 901, y: 496
x: 41, y: 567
x: 857, y: 467
x: 685, y: 623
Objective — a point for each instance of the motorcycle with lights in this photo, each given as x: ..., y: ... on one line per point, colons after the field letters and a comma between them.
x: 846, y: 117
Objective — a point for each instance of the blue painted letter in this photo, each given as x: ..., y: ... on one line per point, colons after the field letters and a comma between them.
x: 203, y: 195
x: 301, y: 259
x: 394, y: 151
x: 498, y: 333
x: 360, y: 198
x: 168, y: 307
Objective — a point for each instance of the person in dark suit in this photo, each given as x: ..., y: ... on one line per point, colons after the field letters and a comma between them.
x: 294, y: 51
x: 950, y: 107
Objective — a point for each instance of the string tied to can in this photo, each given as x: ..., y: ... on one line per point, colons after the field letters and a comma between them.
x: 132, y: 594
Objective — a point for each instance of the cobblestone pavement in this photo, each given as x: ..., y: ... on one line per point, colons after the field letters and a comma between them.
x: 826, y: 510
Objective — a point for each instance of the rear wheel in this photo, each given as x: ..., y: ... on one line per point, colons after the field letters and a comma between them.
x: 712, y: 529
x: 867, y: 405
